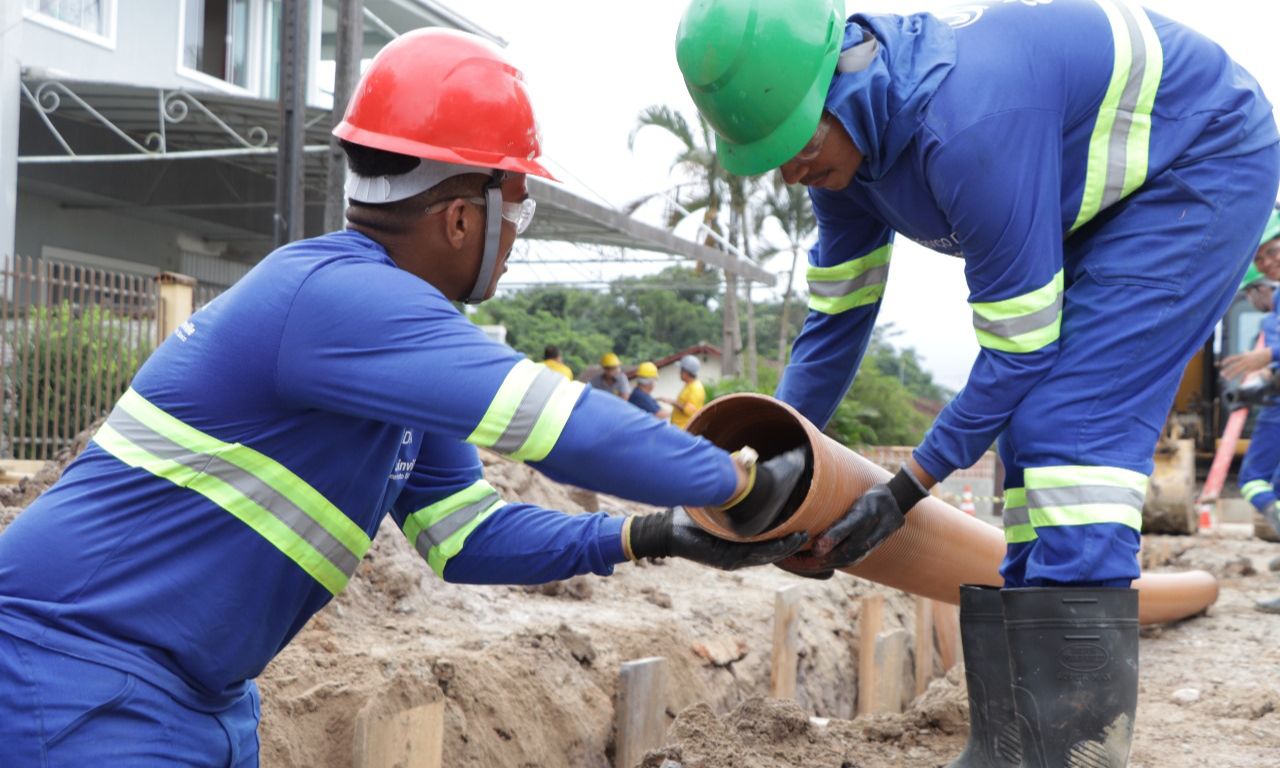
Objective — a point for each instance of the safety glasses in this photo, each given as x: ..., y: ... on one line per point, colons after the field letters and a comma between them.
x: 810, y: 151
x: 520, y: 214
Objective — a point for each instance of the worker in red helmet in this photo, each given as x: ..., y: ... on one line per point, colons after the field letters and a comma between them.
x: 237, y: 484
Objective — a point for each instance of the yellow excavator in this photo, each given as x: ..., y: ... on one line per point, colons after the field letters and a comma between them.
x: 1193, y: 432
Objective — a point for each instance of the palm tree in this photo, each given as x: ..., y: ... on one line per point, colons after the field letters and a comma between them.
x: 788, y: 204
x: 742, y: 205
x: 704, y: 189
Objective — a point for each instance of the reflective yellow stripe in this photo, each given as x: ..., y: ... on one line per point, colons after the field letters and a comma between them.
x: 529, y: 412
x: 253, y: 488
x: 1255, y: 487
x: 1017, y: 523
x: 1023, y: 323
x: 855, y: 283
x: 1119, y: 147
x: 439, y: 531
x: 1079, y: 495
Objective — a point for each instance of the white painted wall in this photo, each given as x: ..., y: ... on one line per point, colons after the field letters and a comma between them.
x: 10, y: 78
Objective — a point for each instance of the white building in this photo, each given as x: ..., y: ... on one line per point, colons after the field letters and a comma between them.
x: 140, y: 135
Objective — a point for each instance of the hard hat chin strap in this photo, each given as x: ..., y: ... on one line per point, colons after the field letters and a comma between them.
x: 492, y: 238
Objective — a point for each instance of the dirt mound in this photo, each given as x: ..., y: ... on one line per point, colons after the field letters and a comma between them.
x: 771, y: 733
x: 529, y: 677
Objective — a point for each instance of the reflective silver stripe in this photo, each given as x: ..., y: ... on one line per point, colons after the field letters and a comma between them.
x: 1016, y: 326
x: 526, y: 416
x: 1068, y: 496
x: 243, y: 482
x: 834, y: 289
x: 1118, y: 144
x: 1016, y: 516
x: 452, y: 523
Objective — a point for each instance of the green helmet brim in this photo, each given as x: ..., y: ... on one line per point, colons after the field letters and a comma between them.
x: 1273, y: 229
x: 788, y: 138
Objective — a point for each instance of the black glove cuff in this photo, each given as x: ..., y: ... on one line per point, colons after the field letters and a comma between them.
x: 907, y: 491
x: 651, y: 535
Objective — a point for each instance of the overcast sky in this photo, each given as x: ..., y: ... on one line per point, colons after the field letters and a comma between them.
x: 593, y: 65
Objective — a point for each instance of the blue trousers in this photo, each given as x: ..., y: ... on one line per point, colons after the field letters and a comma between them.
x: 1261, y: 465
x: 1146, y: 281
x: 58, y: 711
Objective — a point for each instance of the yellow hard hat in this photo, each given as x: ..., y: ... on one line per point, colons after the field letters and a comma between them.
x: 610, y: 360
x: 647, y: 370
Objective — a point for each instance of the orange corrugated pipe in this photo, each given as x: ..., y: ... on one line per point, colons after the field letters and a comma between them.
x: 937, y: 550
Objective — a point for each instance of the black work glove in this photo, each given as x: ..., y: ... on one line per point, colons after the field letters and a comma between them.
x: 770, y: 496
x: 876, y: 514
x: 673, y: 533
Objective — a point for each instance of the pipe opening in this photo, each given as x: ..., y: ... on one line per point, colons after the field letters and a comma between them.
x: 733, y: 423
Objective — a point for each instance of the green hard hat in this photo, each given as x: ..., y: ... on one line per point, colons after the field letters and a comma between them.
x: 1252, y: 276
x: 759, y: 71
x: 1273, y: 228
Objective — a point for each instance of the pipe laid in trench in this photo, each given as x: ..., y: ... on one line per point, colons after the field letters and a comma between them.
x: 937, y: 550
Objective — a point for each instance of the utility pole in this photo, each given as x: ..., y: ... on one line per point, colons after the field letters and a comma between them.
x: 290, y: 202
x: 346, y: 74
x: 10, y: 106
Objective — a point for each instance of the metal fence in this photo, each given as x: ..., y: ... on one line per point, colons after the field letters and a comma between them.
x: 71, y: 338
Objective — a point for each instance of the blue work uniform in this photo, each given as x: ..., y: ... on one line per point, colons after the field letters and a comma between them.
x: 644, y: 401
x: 1104, y: 173
x: 1260, y: 468
x: 237, y: 484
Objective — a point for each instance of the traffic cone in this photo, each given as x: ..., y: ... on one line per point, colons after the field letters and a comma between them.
x: 966, y: 502
x: 1206, y: 519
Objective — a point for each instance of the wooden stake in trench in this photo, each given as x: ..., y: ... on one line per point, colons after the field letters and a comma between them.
x: 924, y: 643
x: 641, y: 714
x: 946, y: 627
x: 404, y: 738
x: 786, y: 642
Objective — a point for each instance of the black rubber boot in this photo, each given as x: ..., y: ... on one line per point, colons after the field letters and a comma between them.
x: 1074, y: 654
x: 993, y: 729
x: 1266, y: 524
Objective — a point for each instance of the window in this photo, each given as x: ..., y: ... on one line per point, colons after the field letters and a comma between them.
x: 216, y: 39
x: 91, y: 16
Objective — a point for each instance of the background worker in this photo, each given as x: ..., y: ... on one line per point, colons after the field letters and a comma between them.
x: 237, y: 484
x: 1102, y: 171
x: 692, y: 396
x: 642, y: 393
x: 552, y: 358
x: 611, y: 378
x: 1261, y: 465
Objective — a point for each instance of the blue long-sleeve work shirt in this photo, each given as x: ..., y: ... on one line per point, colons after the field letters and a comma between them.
x: 994, y: 141
x: 237, y: 484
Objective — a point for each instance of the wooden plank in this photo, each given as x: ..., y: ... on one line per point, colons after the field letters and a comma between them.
x: 870, y: 622
x: 946, y: 629
x: 641, y: 714
x: 400, y: 738
x: 924, y: 644
x: 786, y: 642
x: 891, y: 660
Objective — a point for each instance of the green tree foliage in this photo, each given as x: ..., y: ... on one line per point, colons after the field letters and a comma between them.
x: 74, y: 364
x: 652, y: 317
x: 639, y: 318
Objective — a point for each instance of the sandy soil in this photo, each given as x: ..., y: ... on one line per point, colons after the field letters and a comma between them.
x: 529, y: 674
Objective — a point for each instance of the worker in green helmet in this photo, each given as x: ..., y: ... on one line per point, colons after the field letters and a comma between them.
x: 1260, y: 468
x: 1103, y: 172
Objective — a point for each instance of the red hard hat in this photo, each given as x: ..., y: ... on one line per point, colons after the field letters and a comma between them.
x: 445, y: 95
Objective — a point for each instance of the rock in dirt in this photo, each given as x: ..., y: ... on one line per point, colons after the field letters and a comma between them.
x: 577, y: 588
x: 721, y: 651
x: 1186, y: 696
x: 944, y: 705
